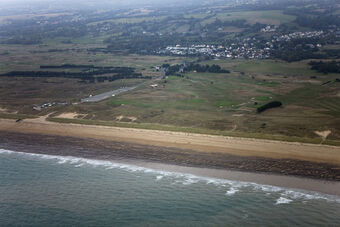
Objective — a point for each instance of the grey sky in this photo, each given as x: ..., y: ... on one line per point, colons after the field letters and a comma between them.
x: 33, y: 5
x: 12, y: 2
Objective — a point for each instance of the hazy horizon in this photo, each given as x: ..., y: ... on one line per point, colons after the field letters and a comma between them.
x: 93, y: 2
x: 8, y: 7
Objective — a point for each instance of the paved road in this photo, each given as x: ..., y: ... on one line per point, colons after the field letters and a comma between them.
x: 106, y: 95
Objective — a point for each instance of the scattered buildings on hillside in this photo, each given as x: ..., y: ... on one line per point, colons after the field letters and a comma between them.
x: 232, y: 51
x: 242, y: 48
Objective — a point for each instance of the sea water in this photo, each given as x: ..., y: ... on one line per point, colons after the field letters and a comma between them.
x: 43, y: 190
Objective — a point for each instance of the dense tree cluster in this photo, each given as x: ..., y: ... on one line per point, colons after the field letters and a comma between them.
x: 318, y: 22
x: 173, y: 69
x: 332, y: 53
x: 206, y: 68
x: 93, y: 70
x: 325, y: 67
x: 66, y: 66
x: 294, y: 55
x: 91, y: 74
x: 30, y: 40
x: 269, y: 105
x: 304, y: 48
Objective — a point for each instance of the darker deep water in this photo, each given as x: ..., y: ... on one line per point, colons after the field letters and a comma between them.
x: 41, y: 190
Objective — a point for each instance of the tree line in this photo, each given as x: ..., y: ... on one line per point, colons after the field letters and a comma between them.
x: 325, y: 67
x: 91, y: 76
x: 269, y: 105
x: 97, y: 69
x: 173, y: 69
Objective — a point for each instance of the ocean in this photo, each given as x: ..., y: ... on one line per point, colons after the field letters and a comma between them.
x: 45, y: 190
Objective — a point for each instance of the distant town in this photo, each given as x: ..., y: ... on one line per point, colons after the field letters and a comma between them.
x: 251, y: 48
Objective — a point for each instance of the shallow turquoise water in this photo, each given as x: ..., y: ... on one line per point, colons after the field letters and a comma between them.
x: 42, y: 190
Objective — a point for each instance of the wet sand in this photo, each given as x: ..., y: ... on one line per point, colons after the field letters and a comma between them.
x: 197, y: 142
x: 175, y: 159
x: 322, y: 186
x: 292, y: 165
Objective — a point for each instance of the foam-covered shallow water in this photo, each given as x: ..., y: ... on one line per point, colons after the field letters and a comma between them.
x: 41, y: 190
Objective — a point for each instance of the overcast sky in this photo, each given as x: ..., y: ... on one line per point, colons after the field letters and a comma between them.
x: 7, y: 2
x: 7, y: 6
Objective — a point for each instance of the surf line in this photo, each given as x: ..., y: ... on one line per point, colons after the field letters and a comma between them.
x: 287, y: 195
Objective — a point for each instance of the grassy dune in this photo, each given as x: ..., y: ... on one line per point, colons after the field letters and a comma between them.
x: 196, y: 130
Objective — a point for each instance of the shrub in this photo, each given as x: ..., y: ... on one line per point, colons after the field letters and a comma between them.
x: 269, y: 105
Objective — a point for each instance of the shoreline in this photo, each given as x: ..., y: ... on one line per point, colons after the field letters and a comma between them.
x: 287, y: 182
x: 198, y: 142
x: 266, y: 180
x: 180, y: 158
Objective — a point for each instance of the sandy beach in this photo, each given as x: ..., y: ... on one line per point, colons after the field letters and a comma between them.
x: 197, y: 142
x: 174, y: 148
x: 211, y: 165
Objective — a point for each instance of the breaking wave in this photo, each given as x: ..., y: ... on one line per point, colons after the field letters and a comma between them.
x: 233, y: 187
x: 283, y: 200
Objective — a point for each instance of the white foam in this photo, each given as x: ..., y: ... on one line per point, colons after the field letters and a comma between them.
x: 79, y: 165
x: 308, y: 196
x: 62, y: 161
x: 189, y: 181
x: 232, y: 191
x: 267, y: 188
x: 283, y: 200
x: 185, y: 178
x: 2, y: 151
x: 160, y: 177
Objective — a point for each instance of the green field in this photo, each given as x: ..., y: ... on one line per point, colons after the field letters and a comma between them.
x: 274, y: 17
x: 131, y: 20
x: 272, y: 67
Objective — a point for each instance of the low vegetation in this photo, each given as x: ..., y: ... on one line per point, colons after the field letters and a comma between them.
x: 191, y: 67
x: 269, y: 105
x: 88, y: 73
x: 325, y: 67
